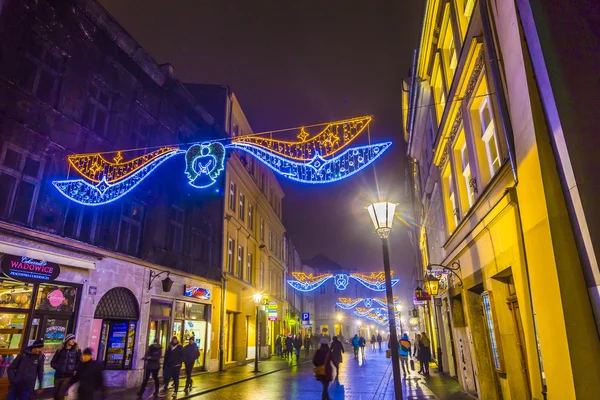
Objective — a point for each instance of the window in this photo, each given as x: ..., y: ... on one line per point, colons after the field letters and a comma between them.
x: 249, y: 267
x: 447, y: 46
x: 232, y: 190
x: 322, y: 290
x: 79, y: 222
x: 491, y: 325
x: 230, y: 247
x: 240, y: 262
x: 251, y: 217
x: 262, y: 229
x: 20, y: 177
x: 130, y: 230
x: 270, y: 240
x: 466, y: 173
x: 462, y: 179
x: 262, y: 275
x: 336, y: 290
x: 488, y: 136
x: 242, y: 207
x: 97, y: 109
x: 39, y: 71
x: 450, y: 199
x: 322, y: 311
x: 439, y: 90
x: 175, y: 234
x: 141, y: 129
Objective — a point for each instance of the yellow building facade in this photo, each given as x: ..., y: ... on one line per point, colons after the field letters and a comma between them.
x: 515, y: 322
x: 253, y: 246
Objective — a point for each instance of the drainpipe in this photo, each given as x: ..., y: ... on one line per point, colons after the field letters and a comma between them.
x: 222, y: 324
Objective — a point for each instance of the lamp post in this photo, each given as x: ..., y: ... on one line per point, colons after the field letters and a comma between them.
x: 382, y: 215
x: 257, y: 300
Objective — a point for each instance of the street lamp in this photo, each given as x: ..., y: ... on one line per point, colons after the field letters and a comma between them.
x: 257, y: 300
x: 339, y: 317
x: 382, y: 215
x: 432, y: 284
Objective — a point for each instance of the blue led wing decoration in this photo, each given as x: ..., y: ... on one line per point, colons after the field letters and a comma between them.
x: 376, y: 286
x: 308, y: 286
x: 349, y: 304
x: 318, y: 169
x: 82, y: 192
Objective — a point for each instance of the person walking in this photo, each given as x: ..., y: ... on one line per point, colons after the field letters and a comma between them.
x: 289, y: 346
x: 379, y: 340
x: 404, y: 351
x: 337, y: 349
x: 373, y: 341
x: 278, y: 350
x: 323, y: 367
x: 363, y: 344
x: 417, y: 353
x: 172, y: 365
x: 355, y: 345
x: 90, y: 376
x: 306, y: 345
x: 24, y: 370
x: 190, y: 355
x: 152, y: 358
x: 425, y: 353
x: 65, y: 362
x: 297, y: 346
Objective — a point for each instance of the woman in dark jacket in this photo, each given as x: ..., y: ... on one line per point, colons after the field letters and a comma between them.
x: 336, y: 355
x: 424, y: 353
x: 172, y: 365
x: 323, y: 357
x: 152, y: 358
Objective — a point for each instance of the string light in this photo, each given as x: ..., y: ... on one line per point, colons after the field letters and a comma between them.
x: 362, y: 311
x: 347, y: 303
x: 375, y: 281
x: 307, y: 282
x: 204, y: 163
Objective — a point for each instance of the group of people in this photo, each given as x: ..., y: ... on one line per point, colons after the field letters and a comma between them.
x: 287, y: 346
x: 72, y: 366
x: 326, y: 361
x: 421, y: 352
x: 376, y: 341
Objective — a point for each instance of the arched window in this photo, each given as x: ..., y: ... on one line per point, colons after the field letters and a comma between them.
x: 117, y: 315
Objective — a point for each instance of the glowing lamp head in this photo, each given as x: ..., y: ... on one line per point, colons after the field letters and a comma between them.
x: 339, y: 317
x: 419, y: 292
x: 257, y: 297
x: 382, y: 215
x: 432, y: 284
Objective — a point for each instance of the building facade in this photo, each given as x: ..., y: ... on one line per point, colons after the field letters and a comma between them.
x: 73, y: 81
x: 489, y: 192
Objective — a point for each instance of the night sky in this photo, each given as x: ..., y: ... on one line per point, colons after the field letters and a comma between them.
x: 294, y: 63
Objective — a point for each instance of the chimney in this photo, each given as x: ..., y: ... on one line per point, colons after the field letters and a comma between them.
x: 168, y: 70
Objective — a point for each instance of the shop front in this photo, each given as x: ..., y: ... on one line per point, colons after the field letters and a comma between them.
x: 34, y: 304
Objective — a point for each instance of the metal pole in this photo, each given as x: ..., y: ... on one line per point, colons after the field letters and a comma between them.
x: 256, y: 343
x: 392, y: 321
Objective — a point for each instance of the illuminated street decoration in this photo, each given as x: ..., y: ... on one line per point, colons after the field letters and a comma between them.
x: 372, y: 281
x: 347, y: 304
x: 362, y: 311
x: 318, y: 160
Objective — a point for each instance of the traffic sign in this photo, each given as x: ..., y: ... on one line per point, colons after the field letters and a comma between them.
x: 305, y: 316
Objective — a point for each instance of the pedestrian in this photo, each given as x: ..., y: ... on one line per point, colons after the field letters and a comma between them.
x: 278, y: 350
x: 190, y: 355
x: 379, y: 340
x: 90, y: 376
x: 363, y: 344
x: 297, y: 346
x: 24, y: 370
x: 355, y: 345
x: 289, y: 346
x: 425, y: 353
x: 337, y: 349
x: 65, y: 362
x: 172, y: 365
x: 152, y: 358
x: 323, y: 367
x: 417, y: 353
x: 404, y: 350
x: 306, y: 345
x: 373, y: 341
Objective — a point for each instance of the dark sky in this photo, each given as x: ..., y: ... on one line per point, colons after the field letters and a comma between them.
x: 295, y: 63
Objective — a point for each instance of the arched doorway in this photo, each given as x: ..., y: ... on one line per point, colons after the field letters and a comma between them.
x: 116, y: 319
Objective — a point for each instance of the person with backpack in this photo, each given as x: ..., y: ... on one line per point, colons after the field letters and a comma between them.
x: 323, y: 367
x: 152, y: 358
x: 190, y: 355
x: 90, y: 376
x: 404, y: 350
x: 24, y: 370
x: 355, y: 345
x: 65, y: 362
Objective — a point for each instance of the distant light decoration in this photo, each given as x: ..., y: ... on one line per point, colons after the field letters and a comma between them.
x: 362, y: 311
x: 347, y: 304
x: 413, y: 321
x: 318, y: 160
x: 341, y: 281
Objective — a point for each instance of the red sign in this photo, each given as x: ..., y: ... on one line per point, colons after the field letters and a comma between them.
x: 424, y: 297
x: 95, y: 335
x: 27, y: 269
x: 197, y: 292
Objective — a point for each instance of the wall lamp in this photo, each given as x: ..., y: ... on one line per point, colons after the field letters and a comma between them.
x: 432, y: 283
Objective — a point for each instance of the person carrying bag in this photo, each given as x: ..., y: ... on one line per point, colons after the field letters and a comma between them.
x: 323, y: 368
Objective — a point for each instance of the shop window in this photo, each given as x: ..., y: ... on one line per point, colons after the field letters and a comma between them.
x: 15, y: 294
x: 20, y: 177
x: 40, y: 69
x: 240, y: 262
x: 159, y: 324
x: 251, y: 217
x: 191, y: 322
x: 175, y: 234
x: 492, y: 330
x: 119, y: 312
x: 96, y: 112
x: 242, y: 207
x: 232, y: 191
x: 56, y: 298
x: 12, y: 332
x: 130, y: 230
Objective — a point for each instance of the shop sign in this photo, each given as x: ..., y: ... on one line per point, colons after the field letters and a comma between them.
x: 423, y: 298
x: 197, y: 292
x: 272, y: 311
x: 27, y: 269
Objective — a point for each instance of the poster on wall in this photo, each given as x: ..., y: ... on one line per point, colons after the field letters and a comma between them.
x: 116, y: 345
x: 54, y: 334
x: 95, y: 336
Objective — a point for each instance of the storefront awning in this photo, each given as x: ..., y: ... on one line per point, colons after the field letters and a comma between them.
x: 68, y: 261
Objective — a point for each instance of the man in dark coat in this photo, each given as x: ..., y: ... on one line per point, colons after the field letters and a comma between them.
x: 152, y: 358
x: 289, y: 347
x: 337, y: 349
x: 297, y: 346
x: 190, y: 355
x: 65, y: 362
x: 24, y: 370
x: 172, y: 365
x: 379, y: 340
x: 90, y: 376
x: 307, y: 345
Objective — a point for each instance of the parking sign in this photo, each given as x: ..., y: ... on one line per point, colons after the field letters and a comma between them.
x: 305, y: 317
